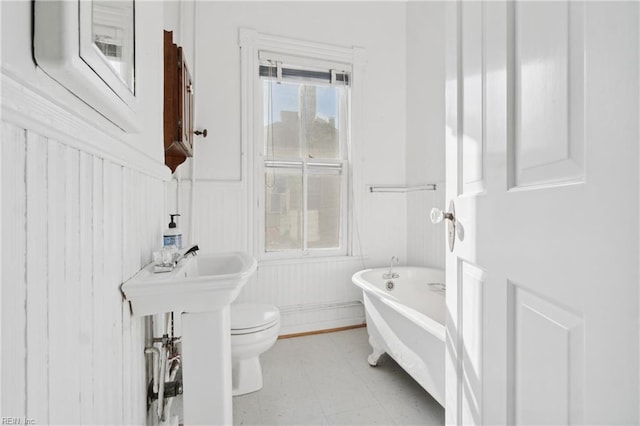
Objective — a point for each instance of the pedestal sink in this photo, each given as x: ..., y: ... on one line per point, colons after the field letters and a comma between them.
x: 201, y: 288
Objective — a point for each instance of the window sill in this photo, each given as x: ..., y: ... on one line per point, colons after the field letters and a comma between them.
x: 316, y: 259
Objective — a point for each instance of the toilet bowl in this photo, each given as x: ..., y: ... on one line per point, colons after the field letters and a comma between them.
x: 254, y: 330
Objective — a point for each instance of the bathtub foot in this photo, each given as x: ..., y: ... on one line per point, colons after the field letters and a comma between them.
x: 374, y: 358
x: 376, y: 354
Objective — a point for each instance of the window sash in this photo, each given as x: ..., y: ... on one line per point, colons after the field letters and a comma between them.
x: 342, y: 115
x: 309, y: 167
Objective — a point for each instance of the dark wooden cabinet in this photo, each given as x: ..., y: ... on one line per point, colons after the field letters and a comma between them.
x: 178, y: 105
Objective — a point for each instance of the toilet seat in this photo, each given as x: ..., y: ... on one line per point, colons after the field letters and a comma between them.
x: 253, y: 318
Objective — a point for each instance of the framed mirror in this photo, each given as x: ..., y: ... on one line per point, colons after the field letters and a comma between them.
x: 88, y: 46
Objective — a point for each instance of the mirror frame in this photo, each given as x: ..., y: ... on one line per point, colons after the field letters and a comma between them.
x: 64, y: 50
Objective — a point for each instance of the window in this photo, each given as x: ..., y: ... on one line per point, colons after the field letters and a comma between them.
x: 303, y: 151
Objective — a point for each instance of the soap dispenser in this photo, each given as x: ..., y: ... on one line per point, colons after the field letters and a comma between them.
x: 173, y: 235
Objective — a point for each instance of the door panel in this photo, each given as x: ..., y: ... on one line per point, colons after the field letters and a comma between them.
x: 547, y: 350
x: 548, y: 106
x: 473, y: 94
x: 471, y: 285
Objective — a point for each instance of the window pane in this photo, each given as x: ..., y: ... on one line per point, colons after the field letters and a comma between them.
x: 320, y: 121
x: 323, y: 211
x: 281, y: 120
x: 301, y: 119
x: 283, y: 214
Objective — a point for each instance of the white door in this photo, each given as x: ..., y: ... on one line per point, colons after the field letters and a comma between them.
x: 542, y: 165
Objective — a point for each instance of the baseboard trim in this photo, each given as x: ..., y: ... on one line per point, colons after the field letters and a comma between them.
x: 322, y: 316
x: 328, y: 330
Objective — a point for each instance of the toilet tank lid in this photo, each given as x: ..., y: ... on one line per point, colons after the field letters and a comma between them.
x: 252, y: 315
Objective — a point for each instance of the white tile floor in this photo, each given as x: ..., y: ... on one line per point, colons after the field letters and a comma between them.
x: 325, y: 379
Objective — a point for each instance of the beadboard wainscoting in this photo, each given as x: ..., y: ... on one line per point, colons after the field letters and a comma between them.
x: 425, y: 241
x: 76, y: 222
x: 220, y: 217
x: 311, y: 294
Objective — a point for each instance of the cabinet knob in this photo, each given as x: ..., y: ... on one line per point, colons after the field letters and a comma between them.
x: 203, y: 133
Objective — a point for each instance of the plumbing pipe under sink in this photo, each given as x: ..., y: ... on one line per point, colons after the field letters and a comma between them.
x: 156, y: 357
x: 163, y: 366
x: 161, y: 375
x: 174, y: 367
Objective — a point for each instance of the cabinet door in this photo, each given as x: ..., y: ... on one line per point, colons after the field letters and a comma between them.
x: 187, y: 107
x: 178, y: 105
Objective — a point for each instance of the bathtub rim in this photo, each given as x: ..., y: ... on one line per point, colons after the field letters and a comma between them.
x: 419, y: 318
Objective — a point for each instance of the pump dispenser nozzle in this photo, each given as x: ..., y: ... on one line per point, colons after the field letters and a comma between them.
x: 172, y: 224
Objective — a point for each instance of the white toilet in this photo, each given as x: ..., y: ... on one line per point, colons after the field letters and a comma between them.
x: 254, y: 330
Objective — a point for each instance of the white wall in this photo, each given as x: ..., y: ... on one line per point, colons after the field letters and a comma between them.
x: 83, y: 205
x: 179, y: 17
x: 425, y: 131
x: 378, y: 27
x: 221, y: 198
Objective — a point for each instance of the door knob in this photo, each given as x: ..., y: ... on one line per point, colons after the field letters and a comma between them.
x: 438, y: 216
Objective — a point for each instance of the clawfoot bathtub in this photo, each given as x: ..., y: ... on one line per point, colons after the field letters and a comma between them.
x: 405, y: 319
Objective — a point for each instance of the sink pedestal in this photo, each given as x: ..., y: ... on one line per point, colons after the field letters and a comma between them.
x: 206, y: 367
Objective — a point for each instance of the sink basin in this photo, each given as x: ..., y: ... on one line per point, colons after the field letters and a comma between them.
x: 199, y: 283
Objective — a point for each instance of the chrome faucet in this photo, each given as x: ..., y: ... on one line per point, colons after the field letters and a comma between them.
x: 390, y: 275
x: 193, y: 250
x: 188, y: 251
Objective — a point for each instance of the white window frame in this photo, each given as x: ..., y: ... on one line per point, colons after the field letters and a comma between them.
x: 304, y: 54
x: 308, y: 167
